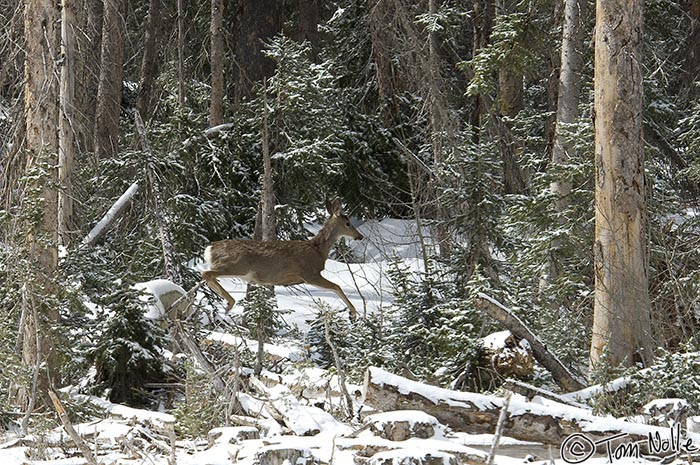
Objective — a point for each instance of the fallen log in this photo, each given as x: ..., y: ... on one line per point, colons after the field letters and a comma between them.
x: 530, y: 392
x: 561, y: 374
x: 548, y: 423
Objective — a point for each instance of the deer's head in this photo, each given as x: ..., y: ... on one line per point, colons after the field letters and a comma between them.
x: 339, y: 222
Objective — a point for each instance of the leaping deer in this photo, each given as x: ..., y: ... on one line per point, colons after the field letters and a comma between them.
x: 280, y: 263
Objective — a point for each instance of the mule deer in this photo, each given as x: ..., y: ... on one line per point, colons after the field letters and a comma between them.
x: 281, y: 263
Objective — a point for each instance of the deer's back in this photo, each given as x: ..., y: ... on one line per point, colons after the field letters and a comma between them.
x: 265, y: 262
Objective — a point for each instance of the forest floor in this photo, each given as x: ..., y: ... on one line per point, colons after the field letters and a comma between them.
x: 302, y: 415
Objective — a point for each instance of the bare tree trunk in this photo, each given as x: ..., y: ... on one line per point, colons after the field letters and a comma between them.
x: 266, y: 219
x: 572, y: 43
x: 267, y: 205
x: 41, y: 94
x: 109, y: 92
x: 621, y: 321
x: 385, y: 74
x: 473, y: 413
x: 442, y: 133
x: 66, y: 122
x: 257, y: 22
x: 89, y: 42
x: 510, y: 103
x: 149, y: 62
x: 690, y: 68
x: 216, y: 106
x: 484, y: 12
x: 181, y: 53
x: 568, y: 95
x: 308, y: 24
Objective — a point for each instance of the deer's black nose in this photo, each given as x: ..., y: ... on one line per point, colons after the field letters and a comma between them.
x: 359, y: 237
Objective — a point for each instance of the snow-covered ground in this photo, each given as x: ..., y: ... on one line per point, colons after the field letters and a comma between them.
x: 301, y: 418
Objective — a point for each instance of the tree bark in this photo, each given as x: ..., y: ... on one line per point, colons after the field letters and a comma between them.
x: 690, y: 67
x: 268, y: 227
x: 307, y: 26
x: 258, y: 22
x: 509, y: 104
x: 484, y: 12
x: 149, y: 61
x: 41, y: 95
x: 571, y: 67
x: 109, y: 91
x: 385, y: 73
x: 216, y: 105
x: 66, y: 122
x: 89, y: 41
x: 181, y: 53
x: 621, y: 320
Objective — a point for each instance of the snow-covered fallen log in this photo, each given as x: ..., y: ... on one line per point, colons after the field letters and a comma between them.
x: 547, y: 422
x: 622, y: 383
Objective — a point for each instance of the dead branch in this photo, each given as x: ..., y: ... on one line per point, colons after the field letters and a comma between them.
x: 561, y: 374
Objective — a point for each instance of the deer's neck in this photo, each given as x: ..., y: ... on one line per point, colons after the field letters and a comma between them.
x: 325, y: 239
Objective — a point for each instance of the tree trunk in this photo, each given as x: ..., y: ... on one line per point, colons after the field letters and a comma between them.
x: 265, y: 226
x: 258, y: 22
x: 109, y: 91
x: 484, y: 12
x: 442, y: 133
x: 216, y: 105
x: 41, y: 94
x: 66, y: 122
x: 307, y: 25
x: 88, y: 42
x: 569, y: 90
x: 267, y: 204
x: 510, y: 103
x: 690, y: 67
x: 385, y: 74
x: 181, y: 53
x: 621, y: 320
x: 149, y: 62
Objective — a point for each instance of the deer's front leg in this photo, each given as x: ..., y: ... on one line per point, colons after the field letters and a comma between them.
x: 320, y: 281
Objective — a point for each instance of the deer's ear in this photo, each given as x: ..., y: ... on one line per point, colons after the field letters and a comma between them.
x: 337, y: 207
x: 334, y: 207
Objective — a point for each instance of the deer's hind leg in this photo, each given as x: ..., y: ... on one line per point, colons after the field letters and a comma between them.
x: 210, y: 278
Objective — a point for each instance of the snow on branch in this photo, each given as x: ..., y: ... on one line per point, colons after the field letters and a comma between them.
x: 111, y: 216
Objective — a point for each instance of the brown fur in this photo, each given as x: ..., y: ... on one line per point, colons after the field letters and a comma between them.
x: 282, y: 263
